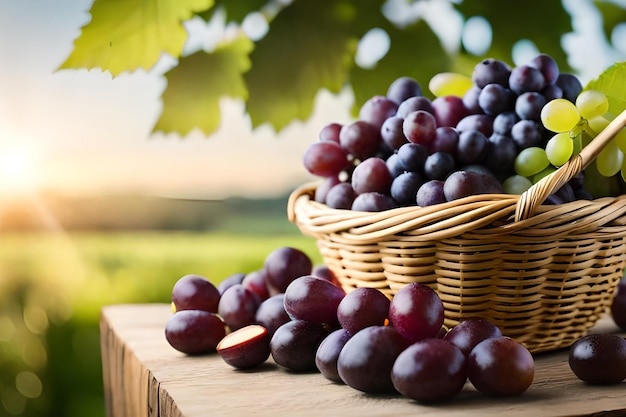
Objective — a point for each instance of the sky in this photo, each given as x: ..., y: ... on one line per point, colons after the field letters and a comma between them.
x: 79, y: 131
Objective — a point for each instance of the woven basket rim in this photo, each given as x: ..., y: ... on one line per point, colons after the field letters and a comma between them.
x: 482, y: 214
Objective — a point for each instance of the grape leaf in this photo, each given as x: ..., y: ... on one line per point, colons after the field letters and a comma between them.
x: 195, y: 86
x: 415, y: 52
x: 126, y: 35
x: 236, y: 10
x: 542, y: 22
x: 309, y: 46
x: 612, y: 15
x: 612, y: 82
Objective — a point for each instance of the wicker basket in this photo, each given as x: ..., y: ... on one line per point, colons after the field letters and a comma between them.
x: 543, y: 273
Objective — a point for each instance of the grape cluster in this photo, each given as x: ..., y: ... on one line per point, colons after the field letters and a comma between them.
x: 493, y: 132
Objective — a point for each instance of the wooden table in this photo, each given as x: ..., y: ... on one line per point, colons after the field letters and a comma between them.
x: 144, y: 376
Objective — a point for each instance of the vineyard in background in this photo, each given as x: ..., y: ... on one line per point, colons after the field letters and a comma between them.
x: 54, y: 282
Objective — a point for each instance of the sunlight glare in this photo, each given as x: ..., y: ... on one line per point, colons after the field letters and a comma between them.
x: 17, y: 170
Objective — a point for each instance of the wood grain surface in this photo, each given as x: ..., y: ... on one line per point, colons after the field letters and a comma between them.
x: 144, y: 376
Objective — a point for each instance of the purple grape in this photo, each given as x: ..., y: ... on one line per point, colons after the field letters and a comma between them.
x: 503, y: 122
x: 491, y: 71
x: 367, y: 358
x: 438, y: 165
x: 470, y: 332
x: 416, y: 312
x: 373, y: 202
x: 372, y: 175
x: 325, y: 159
x: 570, y: 86
x: 238, y: 306
x: 330, y: 132
x: 467, y: 183
x: 360, y: 138
x: 404, y: 188
x: 430, y: 193
x: 495, y: 99
x: 547, y: 66
x: 194, y: 331
x: 470, y: 100
x: 551, y: 92
x: 599, y: 359
x: 402, y: 88
x: 449, y: 110
x: 256, y: 281
x: 412, y: 156
x: 501, y: 153
x: 229, y: 281
x: 480, y: 122
x: 392, y: 134
x: 394, y: 165
x: 413, y: 104
x: 328, y: 353
x: 377, y: 109
x: 525, y: 78
x: 618, y: 305
x: 283, y: 265
x: 271, y: 313
x: 446, y: 140
x: 322, y: 189
x: 361, y: 308
x: 294, y: 344
x: 528, y: 105
x: 313, y: 299
x: 419, y: 127
x: 526, y: 133
x: 500, y: 366
x: 429, y: 371
x: 195, y: 292
x: 472, y: 147
x: 341, y: 196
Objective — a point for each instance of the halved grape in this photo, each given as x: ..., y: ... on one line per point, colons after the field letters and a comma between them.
x: 560, y: 115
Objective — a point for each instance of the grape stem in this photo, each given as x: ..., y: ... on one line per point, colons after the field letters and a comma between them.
x: 535, y: 195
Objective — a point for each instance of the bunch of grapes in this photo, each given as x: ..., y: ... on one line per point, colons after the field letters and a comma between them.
x: 498, y: 131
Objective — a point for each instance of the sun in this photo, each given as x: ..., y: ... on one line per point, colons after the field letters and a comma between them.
x: 18, y: 170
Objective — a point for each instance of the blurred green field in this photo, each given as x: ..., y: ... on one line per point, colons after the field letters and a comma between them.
x: 53, y: 285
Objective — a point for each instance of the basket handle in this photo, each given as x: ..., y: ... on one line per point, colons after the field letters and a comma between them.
x: 535, y: 195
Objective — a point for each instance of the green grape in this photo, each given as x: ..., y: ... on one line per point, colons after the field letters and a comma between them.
x: 592, y: 103
x: 597, y: 125
x: 609, y: 160
x: 531, y: 161
x: 449, y: 83
x: 560, y: 115
x: 559, y: 149
x: 516, y: 184
x: 620, y: 140
x: 547, y: 171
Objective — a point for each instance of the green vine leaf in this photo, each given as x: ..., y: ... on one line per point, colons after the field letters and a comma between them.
x: 612, y: 82
x: 132, y: 34
x: 296, y: 58
x: 542, y: 22
x: 415, y: 51
x: 195, y: 86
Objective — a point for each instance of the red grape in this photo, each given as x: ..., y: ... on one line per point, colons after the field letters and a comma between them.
x: 283, y: 265
x: 618, y: 305
x: 238, y: 307
x: 195, y: 292
x: 599, y: 358
x: 430, y: 370
x: 294, y: 344
x: 328, y: 353
x: 500, y: 366
x: 313, y: 299
x: 361, y: 308
x: 470, y: 332
x: 194, y: 331
x: 416, y: 311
